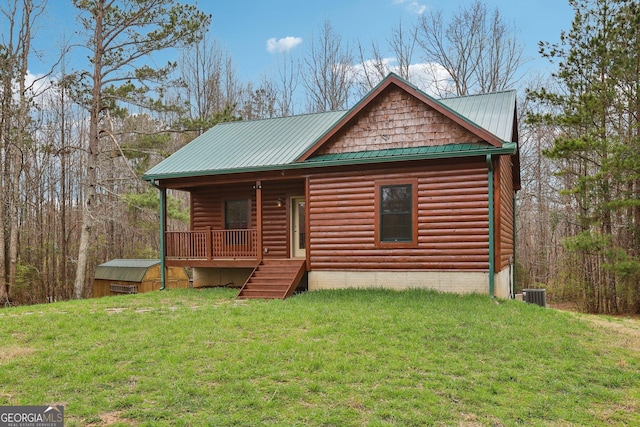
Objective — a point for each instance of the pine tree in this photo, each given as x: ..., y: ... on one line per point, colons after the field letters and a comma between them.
x: 121, y: 35
x: 597, y: 153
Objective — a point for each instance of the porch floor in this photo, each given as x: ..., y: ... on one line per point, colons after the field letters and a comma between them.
x: 215, y: 263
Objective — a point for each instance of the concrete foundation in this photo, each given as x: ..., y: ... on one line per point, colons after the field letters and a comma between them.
x: 445, y: 281
x: 503, y: 282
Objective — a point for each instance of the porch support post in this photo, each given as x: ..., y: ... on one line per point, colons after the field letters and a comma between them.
x: 259, y: 218
x: 491, y: 229
x: 163, y: 232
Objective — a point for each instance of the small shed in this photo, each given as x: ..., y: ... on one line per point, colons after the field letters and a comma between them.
x: 132, y: 276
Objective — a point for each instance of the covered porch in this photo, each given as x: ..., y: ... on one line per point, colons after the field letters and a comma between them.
x: 238, y: 224
x: 250, y: 234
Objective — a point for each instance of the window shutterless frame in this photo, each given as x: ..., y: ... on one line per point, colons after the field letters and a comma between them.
x: 396, y: 213
x: 237, y: 214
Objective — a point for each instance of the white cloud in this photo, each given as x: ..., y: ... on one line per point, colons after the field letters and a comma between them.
x: 412, y: 6
x: 431, y: 78
x: 35, y: 84
x: 284, y: 44
x: 417, y: 7
x: 372, y: 67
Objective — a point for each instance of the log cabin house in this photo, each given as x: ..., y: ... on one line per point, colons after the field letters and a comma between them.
x: 400, y: 191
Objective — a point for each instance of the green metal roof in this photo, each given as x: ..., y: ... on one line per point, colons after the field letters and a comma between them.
x: 241, y: 146
x: 493, y: 111
x: 273, y: 144
x: 125, y: 270
x: 427, y: 152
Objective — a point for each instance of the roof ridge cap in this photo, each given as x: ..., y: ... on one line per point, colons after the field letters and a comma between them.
x: 478, y: 94
x: 281, y: 117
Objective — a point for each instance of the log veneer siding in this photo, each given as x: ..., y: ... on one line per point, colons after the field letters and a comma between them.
x: 506, y: 212
x: 452, y: 219
x: 207, y: 205
x: 452, y: 228
x: 275, y: 220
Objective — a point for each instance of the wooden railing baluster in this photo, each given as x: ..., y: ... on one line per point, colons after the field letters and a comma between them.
x: 211, y: 244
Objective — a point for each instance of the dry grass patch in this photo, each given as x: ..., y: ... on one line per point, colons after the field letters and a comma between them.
x: 113, y: 418
x: 13, y: 352
x: 624, y: 332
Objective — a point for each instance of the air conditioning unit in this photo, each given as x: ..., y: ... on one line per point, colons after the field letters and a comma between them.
x: 535, y: 296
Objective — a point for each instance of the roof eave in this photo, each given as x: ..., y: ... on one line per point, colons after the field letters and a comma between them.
x: 509, y: 148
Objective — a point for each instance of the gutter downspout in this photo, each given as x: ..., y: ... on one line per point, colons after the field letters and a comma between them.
x: 513, y: 289
x: 163, y: 203
x: 491, y: 227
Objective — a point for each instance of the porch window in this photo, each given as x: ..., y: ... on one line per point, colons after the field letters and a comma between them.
x: 396, y: 209
x: 236, y: 214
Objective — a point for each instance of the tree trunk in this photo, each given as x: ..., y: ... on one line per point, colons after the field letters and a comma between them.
x: 90, y: 194
x: 64, y: 250
x: 4, y: 117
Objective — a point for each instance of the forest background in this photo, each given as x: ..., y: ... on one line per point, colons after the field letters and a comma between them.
x: 75, y: 140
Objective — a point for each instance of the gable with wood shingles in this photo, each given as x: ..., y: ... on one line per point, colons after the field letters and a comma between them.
x: 397, y: 120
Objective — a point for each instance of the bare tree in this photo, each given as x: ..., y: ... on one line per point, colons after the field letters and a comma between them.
x: 541, y: 218
x: 402, y: 44
x: 477, y: 48
x: 259, y: 102
x: 7, y: 66
x: 19, y: 17
x: 209, y: 81
x: 328, y: 75
x: 374, y: 66
x: 288, y: 74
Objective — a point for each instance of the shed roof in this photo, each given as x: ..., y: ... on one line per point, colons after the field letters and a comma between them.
x: 125, y: 270
x: 287, y: 142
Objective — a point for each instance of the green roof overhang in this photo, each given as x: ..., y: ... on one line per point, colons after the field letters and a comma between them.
x: 359, y: 158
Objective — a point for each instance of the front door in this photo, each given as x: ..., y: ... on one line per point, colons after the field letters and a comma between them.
x: 298, y: 228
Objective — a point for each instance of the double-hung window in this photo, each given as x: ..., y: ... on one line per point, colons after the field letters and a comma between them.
x: 396, y: 212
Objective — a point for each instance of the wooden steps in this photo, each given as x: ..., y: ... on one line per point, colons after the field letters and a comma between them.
x: 273, y: 278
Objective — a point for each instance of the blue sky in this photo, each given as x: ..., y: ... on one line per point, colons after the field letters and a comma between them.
x: 255, y: 31
x: 244, y: 27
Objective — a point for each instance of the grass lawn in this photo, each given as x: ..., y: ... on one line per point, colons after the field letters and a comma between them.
x: 330, y: 358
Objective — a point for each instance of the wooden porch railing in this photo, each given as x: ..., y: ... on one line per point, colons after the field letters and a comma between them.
x: 211, y: 244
